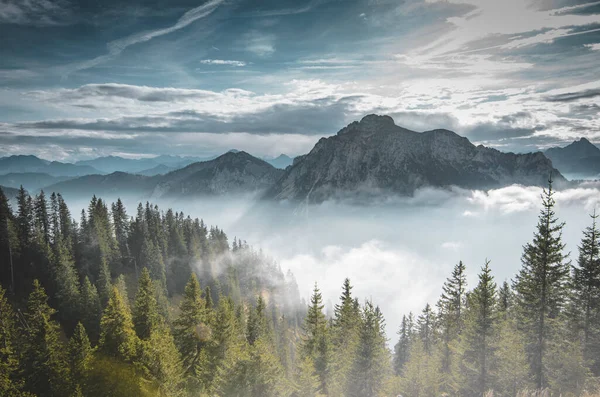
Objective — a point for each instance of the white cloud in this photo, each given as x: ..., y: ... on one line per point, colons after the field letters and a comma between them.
x: 593, y: 47
x: 223, y: 62
x: 260, y: 44
x: 117, y: 46
x: 395, y: 278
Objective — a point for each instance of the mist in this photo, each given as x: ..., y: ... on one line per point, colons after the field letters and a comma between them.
x: 398, y: 252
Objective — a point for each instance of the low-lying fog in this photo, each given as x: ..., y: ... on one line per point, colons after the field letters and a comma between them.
x: 396, y: 253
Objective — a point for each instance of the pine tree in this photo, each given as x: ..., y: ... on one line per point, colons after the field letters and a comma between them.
x: 586, y: 294
x: 9, y: 361
x: 161, y: 363
x: 117, y: 337
x: 192, y: 335
x: 505, y: 297
x: 91, y: 310
x: 345, y: 338
x: 316, y: 343
x: 451, y: 307
x: 68, y: 295
x: 403, y: 347
x: 426, y: 328
x: 478, y: 337
x: 540, y: 286
x: 512, y: 372
x: 372, y: 364
x: 421, y: 373
x: 145, y: 309
x: 44, y: 366
x: 257, y: 321
x: 80, y: 356
x: 104, y: 283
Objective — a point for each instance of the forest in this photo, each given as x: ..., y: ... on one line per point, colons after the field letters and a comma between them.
x: 160, y: 304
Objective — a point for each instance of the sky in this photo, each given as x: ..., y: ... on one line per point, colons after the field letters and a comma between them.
x: 82, y: 79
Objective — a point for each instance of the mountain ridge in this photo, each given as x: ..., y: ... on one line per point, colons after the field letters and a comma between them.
x: 375, y: 156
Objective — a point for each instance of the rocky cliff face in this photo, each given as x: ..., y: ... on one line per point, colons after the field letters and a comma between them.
x: 232, y: 172
x: 375, y: 156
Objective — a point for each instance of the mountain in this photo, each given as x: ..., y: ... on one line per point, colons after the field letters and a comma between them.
x: 375, y: 156
x: 232, y: 172
x: 9, y: 192
x: 20, y: 164
x: 157, y: 170
x: 119, y: 183
x: 31, y: 181
x: 229, y: 173
x: 281, y: 162
x: 110, y: 164
x: 580, y: 159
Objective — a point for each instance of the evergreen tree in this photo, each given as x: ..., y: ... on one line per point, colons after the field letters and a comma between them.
x: 44, y: 367
x: 9, y: 361
x: 316, y: 343
x: 540, y: 286
x: 192, y: 335
x: 511, y: 365
x: 68, y: 295
x: 257, y: 321
x: 403, y: 347
x: 505, y: 297
x: 426, y: 328
x: 586, y: 294
x: 104, y: 283
x: 145, y: 309
x: 91, y: 310
x: 345, y: 338
x: 477, y: 340
x: 80, y: 355
x: 161, y: 363
x: 372, y: 364
x: 117, y: 337
x: 451, y: 307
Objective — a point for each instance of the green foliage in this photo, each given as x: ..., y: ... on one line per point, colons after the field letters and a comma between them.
x: 541, y: 287
x: 117, y: 337
x: 43, y: 363
x: 145, y: 309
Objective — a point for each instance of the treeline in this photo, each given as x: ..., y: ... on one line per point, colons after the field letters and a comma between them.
x: 113, y: 306
x: 539, y: 332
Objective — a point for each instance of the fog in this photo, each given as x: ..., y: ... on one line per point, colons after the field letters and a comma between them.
x: 397, y: 252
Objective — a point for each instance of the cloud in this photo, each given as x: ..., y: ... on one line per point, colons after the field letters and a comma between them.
x: 574, y: 96
x: 593, y: 47
x: 260, y: 44
x: 35, y: 12
x: 222, y: 62
x: 415, y: 279
x: 117, y: 46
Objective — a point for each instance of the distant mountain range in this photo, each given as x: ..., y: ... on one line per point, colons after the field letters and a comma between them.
x: 580, y: 159
x: 22, y: 164
x: 31, y: 181
x: 110, y: 164
x: 376, y: 157
x: 281, y: 162
x: 369, y: 158
x: 230, y: 173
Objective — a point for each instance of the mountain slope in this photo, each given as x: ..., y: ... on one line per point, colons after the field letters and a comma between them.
x: 31, y: 181
x: 232, y: 172
x: 374, y: 157
x: 119, y: 183
x: 580, y: 158
x: 20, y: 164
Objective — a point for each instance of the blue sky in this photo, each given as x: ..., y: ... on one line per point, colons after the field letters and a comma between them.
x: 80, y: 79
